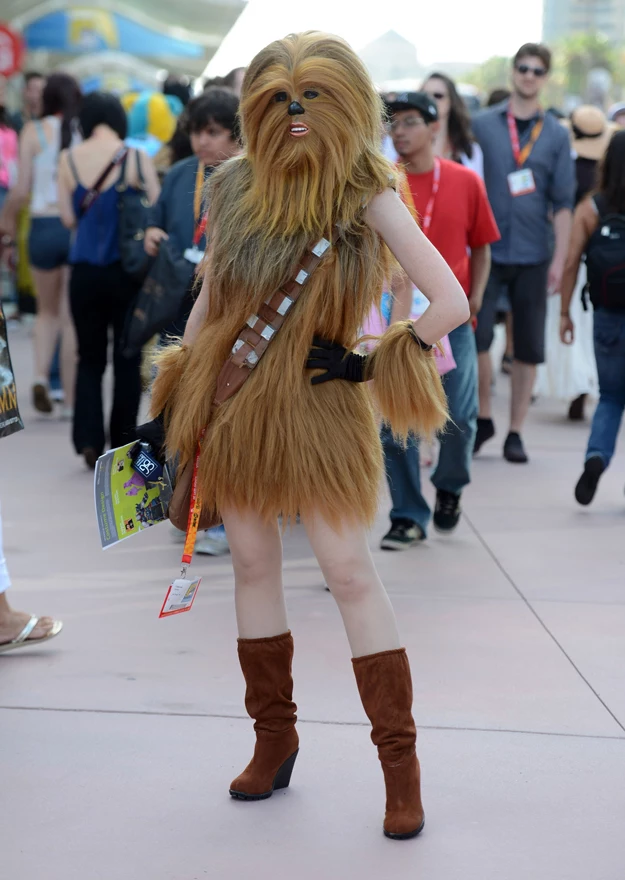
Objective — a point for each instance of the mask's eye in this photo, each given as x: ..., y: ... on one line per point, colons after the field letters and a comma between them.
x: 309, y: 94
x: 280, y: 97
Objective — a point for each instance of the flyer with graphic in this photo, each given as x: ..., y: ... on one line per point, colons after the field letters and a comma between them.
x: 126, y: 502
x: 10, y: 420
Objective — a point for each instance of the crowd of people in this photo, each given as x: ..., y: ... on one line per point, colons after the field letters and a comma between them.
x: 494, y: 193
x: 287, y: 254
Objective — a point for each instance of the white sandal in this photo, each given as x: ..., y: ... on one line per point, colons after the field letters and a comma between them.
x: 22, y: 641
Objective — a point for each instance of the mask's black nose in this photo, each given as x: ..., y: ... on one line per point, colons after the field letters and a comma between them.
x: 295, y: 109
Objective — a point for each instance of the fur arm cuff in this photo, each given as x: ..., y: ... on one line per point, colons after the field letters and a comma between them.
x: 406, y: 384
x: 171, y: 363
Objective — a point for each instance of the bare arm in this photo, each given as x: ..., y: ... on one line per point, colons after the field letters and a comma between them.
x: 402, y: 298
x: 65, y: 190
x: 152, y: 186
x: 584, y: 224
x: 197, y: 316
x: 18, y: 196
x: 422, y: 263
x: 562, y: 223
x: 480, y: 270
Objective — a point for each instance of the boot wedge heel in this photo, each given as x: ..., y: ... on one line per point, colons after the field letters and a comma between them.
x: 281, y: 780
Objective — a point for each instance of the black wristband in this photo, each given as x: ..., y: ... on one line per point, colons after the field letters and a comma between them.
x: 422, y: 345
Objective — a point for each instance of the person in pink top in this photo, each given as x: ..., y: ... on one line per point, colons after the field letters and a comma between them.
x: 8, y: 147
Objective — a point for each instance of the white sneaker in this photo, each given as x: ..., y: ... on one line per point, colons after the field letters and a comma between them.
x: 177, y: 535
x: 213, y: 542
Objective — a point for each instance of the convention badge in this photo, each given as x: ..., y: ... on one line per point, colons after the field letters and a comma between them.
x: 194, y: 255
x: 521, y: 182
x: 180, y: 596
x: 149, y: 468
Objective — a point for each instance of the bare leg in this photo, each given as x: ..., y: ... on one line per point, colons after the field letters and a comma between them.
x: 68, y: 343
x: 48, y: 285
x: 522, y: 382
x: 485, y: 368
x: 256, y: 548
x: 509, y: 336
x: 348, y: 568
x: 13, y: 622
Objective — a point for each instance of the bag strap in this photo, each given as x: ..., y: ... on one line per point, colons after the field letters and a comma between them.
x: 259, y: 330
x: 91, y: 195
x: 140, y: 174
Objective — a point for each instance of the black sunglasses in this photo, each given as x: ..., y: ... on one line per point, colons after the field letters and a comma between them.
x: 537, y: 71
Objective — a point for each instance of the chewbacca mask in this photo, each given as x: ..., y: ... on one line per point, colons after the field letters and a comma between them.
x: 312, y: 124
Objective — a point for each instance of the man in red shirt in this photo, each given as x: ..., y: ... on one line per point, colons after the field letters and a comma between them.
x: 455, y: 214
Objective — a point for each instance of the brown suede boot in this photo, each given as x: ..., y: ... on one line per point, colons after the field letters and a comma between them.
x: 385, y: 688
x: 266, y: 666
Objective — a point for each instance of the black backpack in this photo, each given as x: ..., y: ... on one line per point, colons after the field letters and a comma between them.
x: 605, y: 260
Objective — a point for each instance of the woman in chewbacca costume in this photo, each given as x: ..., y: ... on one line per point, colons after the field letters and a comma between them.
x: 290, y: 441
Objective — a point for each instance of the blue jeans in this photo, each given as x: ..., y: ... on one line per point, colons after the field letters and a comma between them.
x: 453, y: 471
x: 609, y: 336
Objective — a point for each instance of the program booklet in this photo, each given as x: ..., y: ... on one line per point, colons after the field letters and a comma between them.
x: 10, y: 419
x: 126, y: 501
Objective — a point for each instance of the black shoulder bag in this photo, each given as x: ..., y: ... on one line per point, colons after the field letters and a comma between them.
x: 133, y: 207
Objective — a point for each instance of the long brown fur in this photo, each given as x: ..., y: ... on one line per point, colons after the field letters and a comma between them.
x: 281, y: 445
x: 406, y: 384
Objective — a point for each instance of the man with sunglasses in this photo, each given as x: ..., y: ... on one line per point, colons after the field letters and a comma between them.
x: 530, y: 181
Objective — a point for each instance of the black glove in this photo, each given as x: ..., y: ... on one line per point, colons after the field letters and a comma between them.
x: 337, y: 362
x: 154, y: 433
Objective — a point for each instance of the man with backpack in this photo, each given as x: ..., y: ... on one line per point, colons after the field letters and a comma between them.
x: 599, y: 232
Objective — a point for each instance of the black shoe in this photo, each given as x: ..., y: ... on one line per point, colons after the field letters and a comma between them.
x: 513, y: 449
x: 576, y: 409
x: 402, y: 535
x: 485, y: 431
x: 90, y: 456
x: 589, y: 480
x: 447, y: 511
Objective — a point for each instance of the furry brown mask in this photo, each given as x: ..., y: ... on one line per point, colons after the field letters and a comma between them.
x: 311, y: 122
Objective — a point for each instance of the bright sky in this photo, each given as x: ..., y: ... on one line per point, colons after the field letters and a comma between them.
x: 442, y: 30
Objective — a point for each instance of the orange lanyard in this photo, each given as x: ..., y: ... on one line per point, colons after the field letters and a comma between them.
x: 522, y: 155
x: 200, y: 222
x: 195, y: 510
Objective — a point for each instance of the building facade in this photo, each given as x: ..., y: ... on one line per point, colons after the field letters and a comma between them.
x: 561, y: 18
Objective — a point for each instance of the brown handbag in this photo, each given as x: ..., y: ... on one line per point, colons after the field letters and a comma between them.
x: 251, y: 344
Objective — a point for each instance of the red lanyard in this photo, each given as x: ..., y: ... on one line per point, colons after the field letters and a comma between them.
x: 522, y: 155
x: 406, y: 195
x: 200, y: 224
x: 200, y: 229
x: 195, y: 510
x: 429, y: 211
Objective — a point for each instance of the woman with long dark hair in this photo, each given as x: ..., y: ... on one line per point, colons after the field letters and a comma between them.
x: 599, y: 232
x: 454, y: 140
x: 41, y: 142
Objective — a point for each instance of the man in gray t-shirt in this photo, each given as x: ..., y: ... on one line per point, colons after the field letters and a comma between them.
x: 529, y: 176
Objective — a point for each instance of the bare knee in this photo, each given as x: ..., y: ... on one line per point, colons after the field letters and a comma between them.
x: 256, y: 550
x: 252, y: 569
x: 349, y: 581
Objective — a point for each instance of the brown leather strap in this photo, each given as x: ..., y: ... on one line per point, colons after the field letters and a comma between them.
x: 253, y: 340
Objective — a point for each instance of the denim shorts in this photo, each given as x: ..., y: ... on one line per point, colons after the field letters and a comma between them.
x: 48, y: 243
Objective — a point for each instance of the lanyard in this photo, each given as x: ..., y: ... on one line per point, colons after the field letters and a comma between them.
x: 200, y: 224
x: 195, y: 510
x: 522, y: 155
x: 429, y: 210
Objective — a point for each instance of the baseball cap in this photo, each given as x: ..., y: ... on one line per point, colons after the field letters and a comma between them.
x: 420, y: 101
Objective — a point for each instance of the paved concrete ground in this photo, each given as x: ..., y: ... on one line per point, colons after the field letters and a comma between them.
x: 119, y: 739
